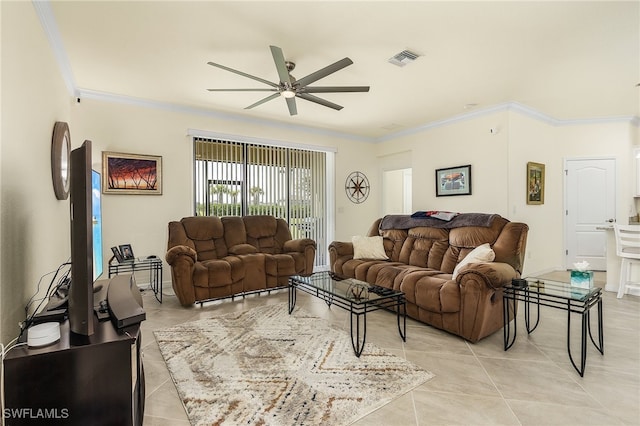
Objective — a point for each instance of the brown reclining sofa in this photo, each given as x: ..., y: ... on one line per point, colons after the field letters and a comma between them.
x: 215, y: 257
x: 422, y: 254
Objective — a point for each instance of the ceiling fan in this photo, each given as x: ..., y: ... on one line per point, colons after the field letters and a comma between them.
x: 290, y: 88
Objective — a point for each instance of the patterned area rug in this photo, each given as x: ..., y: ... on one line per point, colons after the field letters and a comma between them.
x: 266, y: 367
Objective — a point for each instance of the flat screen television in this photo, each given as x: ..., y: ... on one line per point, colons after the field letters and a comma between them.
x: 86, y: 239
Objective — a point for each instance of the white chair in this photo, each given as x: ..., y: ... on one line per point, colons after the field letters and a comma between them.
x: 628, y: 249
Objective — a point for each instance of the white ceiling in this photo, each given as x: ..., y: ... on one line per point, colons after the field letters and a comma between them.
x: 567, y: 60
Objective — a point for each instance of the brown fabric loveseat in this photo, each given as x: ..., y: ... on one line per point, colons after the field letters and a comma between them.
x: 215, y: 257
x: 422, y: 254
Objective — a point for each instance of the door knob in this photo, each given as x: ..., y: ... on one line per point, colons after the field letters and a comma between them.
x: 611, y: 220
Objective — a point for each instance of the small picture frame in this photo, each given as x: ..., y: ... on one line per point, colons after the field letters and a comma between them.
x: 453, y: 181
x: 117, y: 254
x: 535, y: 183
x: 127, y: 252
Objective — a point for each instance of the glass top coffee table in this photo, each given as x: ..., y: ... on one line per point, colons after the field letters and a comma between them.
x: 559, y: 295
x: 357, y: 297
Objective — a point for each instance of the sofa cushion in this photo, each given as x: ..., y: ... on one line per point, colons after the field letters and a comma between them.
x: 393, y: 241
x: 207, y: 236
x: 431, y: 290
x: 242, y: 249
x: 280, y: 265
x: 217, y: 273
x: 262, y: 232
x: 425, y: 247
x: 234, y: 230
x: 368, y: 248
x: 482, y: 253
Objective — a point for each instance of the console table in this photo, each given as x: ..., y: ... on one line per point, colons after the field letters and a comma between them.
x: 151, y: 264
x: 559, y: 295
x: 79, y: 380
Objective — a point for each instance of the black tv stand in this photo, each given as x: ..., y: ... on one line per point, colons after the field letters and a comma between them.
x: 79, y: 380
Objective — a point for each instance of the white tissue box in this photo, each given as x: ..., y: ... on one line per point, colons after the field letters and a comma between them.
x: 582, y: 279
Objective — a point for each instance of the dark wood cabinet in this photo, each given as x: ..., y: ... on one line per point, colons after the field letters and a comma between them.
x: 80, y: 380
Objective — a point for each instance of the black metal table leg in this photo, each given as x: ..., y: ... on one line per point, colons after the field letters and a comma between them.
x: 155, y: 278
x: 527, y: 310
x: 600, y: 345
x: 358, y: 346
x: 583, y: 340
x: 160, y: 282
x: 292, y: 297
x: 507, y: 323
x: 402, y: 304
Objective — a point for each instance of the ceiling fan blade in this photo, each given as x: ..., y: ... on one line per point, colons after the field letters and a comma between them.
x: 261, y: 101
x: 329, y: 89
x: 330, y: 69
x: 281, y: 66
x: 318, y: 100
x: 291, y: 103
x: 244, y: 74
x: 242, y: 90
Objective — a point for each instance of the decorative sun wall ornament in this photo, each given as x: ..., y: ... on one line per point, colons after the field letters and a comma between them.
x: 357, y: 187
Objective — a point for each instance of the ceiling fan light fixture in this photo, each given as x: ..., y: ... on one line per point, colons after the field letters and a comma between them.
x: 290, y: 88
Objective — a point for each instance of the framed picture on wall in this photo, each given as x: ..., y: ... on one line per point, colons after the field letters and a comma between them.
x: 453, y: 181
x: 131, y: 174
x: 535, y: 183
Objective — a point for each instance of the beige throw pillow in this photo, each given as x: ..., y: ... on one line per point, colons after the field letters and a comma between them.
x: 482, y: 253
x: 368, y: 248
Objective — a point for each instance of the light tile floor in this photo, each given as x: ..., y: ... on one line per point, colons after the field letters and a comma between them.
x: 475, y: 384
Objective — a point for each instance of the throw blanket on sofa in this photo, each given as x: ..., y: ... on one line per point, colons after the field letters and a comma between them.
x: 396, y: 221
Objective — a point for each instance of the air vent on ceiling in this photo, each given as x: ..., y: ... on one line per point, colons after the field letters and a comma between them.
x: 403, y: 58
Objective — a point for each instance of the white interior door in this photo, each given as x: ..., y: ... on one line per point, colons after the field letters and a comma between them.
x: 590, y: 194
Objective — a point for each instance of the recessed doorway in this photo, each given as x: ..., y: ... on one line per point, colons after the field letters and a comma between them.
x: 396, y: 191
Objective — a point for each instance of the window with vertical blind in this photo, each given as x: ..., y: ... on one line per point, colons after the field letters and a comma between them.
x: 240, y: 179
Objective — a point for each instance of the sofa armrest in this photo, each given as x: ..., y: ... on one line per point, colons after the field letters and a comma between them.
x: 299, y: 245
x: 481, y: 301
x: 339, y: 252
x: 341, y: 248
x: 182, y: 260
x: 176, y: 251
x: 307, y: 247
x: 494, y: 274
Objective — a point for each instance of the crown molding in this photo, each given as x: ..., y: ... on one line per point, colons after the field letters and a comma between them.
x: 50, y: 27
x: 514, y: 107
x: 166, y: 106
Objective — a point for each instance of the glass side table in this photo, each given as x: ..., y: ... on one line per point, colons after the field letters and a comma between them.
x: 555, y: 294
x: 151, y: 264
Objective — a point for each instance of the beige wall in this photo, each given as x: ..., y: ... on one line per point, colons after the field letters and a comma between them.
x: 35, y: 226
